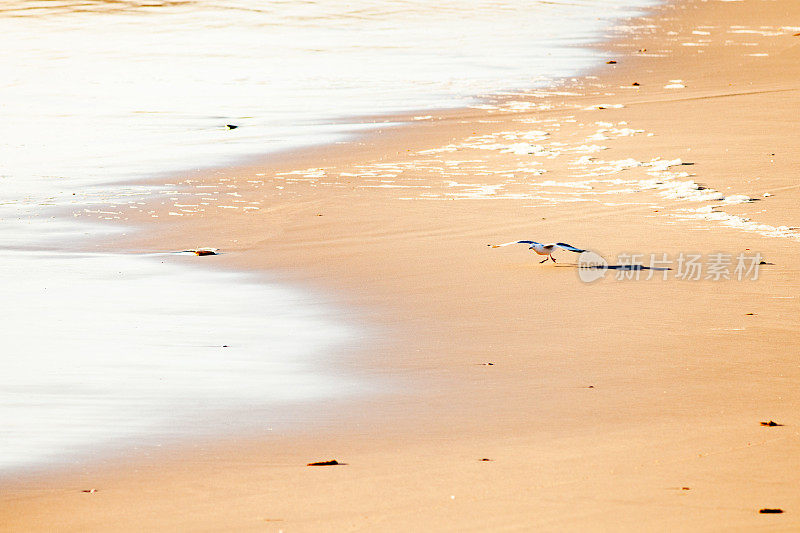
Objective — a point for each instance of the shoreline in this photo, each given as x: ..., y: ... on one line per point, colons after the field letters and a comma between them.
x: 555, y: 443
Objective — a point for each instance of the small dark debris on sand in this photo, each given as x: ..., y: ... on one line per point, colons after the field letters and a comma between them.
x: 750, y: 314
x: 590, y: 387
x: 203, y: 251
x: 611, y: 62
x: 771, y: 424
x: 686, y: 488
x: 485, y: 459
x: 765, y: 263
x: 231, y: 126
x: 89, y: 491
x: 636, y: 84
x: 770, y: 511
x: 332, y: 462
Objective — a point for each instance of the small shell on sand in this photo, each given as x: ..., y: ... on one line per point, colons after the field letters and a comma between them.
x: 205, y: 251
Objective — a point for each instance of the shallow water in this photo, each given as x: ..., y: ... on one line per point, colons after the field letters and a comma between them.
x: 98, y: 90
x: 102, y: 349
x: 107, y: 347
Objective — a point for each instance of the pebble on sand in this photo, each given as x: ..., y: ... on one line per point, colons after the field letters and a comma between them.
x: 332, y: 462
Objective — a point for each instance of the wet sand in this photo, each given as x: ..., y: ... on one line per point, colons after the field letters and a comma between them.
x: 617, y: 405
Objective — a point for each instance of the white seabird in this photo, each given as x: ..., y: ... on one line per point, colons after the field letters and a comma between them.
x: 543, y: 249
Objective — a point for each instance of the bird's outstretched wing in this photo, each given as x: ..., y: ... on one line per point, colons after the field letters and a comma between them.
x: 512, y: 242
x: 569, y: 247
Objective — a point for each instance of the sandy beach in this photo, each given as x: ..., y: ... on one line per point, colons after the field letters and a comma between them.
x: 513, y: 395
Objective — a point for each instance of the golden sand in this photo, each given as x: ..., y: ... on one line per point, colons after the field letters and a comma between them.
x: 519, y: 397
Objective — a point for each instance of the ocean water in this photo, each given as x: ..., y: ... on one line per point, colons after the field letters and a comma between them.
x: 107, y: 351
x: 97, y: 92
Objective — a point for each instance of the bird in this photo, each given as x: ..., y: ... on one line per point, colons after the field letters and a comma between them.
x: 543, y: 249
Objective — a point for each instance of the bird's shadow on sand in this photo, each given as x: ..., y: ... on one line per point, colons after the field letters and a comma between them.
x: 610, y: 267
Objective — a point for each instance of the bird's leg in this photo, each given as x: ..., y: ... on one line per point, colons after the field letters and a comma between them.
x: 553, y: 258
x: 543, y: 260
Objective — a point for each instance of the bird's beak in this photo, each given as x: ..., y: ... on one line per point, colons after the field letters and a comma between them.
x: 494, y: 246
